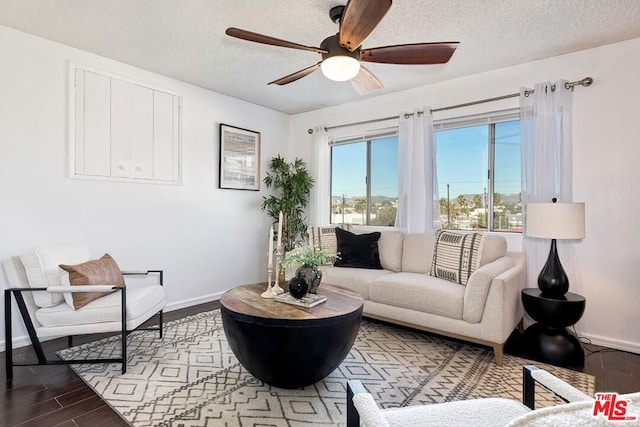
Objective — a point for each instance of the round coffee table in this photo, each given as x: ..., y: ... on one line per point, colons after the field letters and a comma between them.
x: 285, y: 345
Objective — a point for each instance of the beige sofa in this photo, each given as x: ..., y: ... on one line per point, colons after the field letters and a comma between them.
x: 485, y: 311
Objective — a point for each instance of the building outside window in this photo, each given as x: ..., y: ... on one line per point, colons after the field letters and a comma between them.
x: 478, y: 171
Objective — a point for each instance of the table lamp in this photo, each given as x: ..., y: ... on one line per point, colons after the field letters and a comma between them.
x: 554, y: 221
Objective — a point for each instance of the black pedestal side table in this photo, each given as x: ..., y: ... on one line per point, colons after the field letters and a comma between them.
x: 549, y: 340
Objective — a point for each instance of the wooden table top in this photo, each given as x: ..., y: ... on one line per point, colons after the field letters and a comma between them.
x: 246, y: 300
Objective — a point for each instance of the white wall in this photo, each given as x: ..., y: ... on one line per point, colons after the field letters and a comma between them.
x: 606, y: 125
x: 206, y: 239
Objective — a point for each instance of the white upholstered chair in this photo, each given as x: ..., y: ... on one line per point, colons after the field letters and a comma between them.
x: 40, y: 298
x: 490, y: 412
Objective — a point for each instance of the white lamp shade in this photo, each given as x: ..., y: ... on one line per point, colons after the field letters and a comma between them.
x: 340, y: 68
x: 555, y: 220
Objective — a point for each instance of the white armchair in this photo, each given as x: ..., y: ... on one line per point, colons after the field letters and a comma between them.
x: 490, y: 412
x: 122, y: 309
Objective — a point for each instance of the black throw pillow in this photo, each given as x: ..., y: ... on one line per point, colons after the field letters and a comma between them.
x: 357, y: 250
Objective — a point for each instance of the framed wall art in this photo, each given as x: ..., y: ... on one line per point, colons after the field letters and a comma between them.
x: 239, y: 158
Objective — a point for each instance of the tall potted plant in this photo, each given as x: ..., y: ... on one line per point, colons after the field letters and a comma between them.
x: 292, y: 183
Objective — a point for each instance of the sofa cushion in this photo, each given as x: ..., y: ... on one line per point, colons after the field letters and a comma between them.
x: 140, y: 298
x: 103, y: 271
x: 419, y: 292
x: 390, y: 248
x: 47, y: 263
x: 493, y: 246
x: 455, y: 255
x: 357, y: 250
x: 353, y: 279
x: 37, y: 279
x: 417, y: 252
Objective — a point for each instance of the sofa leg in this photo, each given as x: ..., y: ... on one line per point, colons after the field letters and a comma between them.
x: 498, y: 351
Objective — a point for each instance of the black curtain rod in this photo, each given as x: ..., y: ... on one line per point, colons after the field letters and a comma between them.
x: 586, y: 82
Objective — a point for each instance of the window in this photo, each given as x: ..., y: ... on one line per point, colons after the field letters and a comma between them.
x: 364, y: 180
x: 478, y: 165
x: 479, y: 176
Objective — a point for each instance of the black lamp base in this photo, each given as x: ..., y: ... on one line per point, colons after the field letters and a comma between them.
x: 553, y: 281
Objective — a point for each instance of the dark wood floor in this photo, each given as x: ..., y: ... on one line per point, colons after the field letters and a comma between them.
x: 54, y: 396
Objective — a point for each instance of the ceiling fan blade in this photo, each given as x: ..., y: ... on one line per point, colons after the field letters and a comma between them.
x: 359, y: 18
x: 417, y: 54
x: 297, y: 75
x: 261, y: 38
x: 365, y: 82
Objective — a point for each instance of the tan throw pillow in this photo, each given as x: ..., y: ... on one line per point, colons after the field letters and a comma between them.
x: 103, y: 271
x: 455, y: 255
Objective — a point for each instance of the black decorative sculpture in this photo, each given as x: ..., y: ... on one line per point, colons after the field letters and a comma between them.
x: 298, y: 287
x: 312, y: 275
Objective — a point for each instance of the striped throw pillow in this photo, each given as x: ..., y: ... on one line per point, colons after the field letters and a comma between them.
x: 325, y: 237
x: 455, y: 255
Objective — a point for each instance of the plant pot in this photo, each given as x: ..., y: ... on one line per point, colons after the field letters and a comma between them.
x: 312, y: 275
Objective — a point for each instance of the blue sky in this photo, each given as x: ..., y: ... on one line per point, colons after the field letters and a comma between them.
x: 461, y: 156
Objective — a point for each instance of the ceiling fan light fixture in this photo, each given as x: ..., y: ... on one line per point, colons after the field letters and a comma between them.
x: 340, y: 68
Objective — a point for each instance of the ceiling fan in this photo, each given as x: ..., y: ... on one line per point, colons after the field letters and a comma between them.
x: 343, y: 52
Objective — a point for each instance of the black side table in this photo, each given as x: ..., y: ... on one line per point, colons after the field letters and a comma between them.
x: 549, y: 340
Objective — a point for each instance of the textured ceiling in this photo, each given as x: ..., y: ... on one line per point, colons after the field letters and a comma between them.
x: 185, y: 39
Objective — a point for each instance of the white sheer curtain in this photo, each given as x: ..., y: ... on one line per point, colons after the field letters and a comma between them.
x: 547, y: 161
x: 418, y: 202
x: 320, y: 170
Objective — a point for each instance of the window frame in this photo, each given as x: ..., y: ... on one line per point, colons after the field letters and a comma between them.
x: 489, y: 119
x: 366, y: 137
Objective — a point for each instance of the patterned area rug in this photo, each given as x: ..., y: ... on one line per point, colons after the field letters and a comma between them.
x: 191, y: 377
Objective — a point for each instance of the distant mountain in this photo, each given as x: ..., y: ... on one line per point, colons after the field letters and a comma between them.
x: 380, y: 199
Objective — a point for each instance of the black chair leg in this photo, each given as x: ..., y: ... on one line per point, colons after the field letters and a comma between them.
x: 31, y: 330
x: 161, y: 322
x: 353, y: 388
x: 528, y: 387
x: 8, y: 340
x: 124, y: 330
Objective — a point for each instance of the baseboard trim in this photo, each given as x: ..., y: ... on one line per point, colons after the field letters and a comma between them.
x: 629, y: 346
x: 193, y: 301
x: 21, y: 341
x: 17, y: 342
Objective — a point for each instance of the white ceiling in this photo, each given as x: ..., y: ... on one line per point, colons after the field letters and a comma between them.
x: 185, y: 39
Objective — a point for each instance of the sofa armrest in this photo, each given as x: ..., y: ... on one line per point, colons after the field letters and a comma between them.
x: 477, y: 289
x: 503, y: 308
x: 513, y: 281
